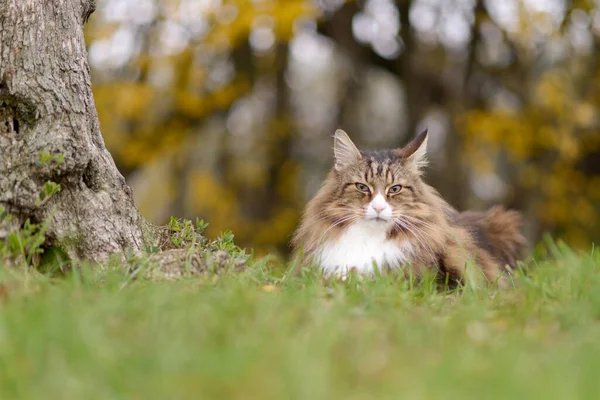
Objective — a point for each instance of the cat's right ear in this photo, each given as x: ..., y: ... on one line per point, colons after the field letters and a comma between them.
x: 416, y: 151
x: 344, y: 151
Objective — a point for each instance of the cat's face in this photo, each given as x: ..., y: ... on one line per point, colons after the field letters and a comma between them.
x: 378, y: 186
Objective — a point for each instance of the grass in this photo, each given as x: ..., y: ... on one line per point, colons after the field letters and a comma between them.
x: 97, y: 334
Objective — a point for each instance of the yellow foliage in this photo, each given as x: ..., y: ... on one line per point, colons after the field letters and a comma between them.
x: 287, y: 188
x: 548, y: 126
x: 555, y: 211
x: 543, y: 138
x: 278, y: 227
x: 593, y: 188
x: 283, y: 13
x: 576, y: 237
x: 584, y: 212
x: 130, y: 100
x: 584, y: 114
x: 208, y: 196
x: 250, y: 173
x: 191, y: 104
x: 553, y: 93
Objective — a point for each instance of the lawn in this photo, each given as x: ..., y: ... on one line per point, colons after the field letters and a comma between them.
x: 261, y: 334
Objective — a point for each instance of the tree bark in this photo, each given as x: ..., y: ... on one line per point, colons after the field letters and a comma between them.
x: 47, y: 113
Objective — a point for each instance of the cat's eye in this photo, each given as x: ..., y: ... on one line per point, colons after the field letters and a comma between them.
x: 395, y: 189
x: 363, y: 188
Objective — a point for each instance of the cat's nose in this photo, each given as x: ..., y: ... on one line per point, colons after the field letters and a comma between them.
x: 378, y: 208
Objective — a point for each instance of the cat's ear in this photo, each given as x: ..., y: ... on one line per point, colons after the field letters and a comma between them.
x: 416, y: 151
x: 344, y: 151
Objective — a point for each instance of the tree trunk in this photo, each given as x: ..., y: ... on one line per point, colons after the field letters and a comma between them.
x: 49, y: 132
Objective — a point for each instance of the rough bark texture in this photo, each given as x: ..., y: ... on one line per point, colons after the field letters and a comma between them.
x: 47, y: 107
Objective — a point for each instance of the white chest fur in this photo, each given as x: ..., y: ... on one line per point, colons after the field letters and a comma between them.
x: 364, y: 247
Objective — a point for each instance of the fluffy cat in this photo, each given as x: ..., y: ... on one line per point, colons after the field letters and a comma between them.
x: 375, y: 211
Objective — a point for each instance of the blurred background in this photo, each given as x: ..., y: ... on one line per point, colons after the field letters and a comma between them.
x: 225, y: 109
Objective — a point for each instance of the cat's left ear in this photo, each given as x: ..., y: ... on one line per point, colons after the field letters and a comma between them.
x: 344, y: 151
x: 416, y: 151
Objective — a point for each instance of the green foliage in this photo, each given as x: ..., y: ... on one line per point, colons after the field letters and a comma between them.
x: 258, y: 334
x: 50, y: 189
x: 185, y: 234
x: 24, y: 244
x: 46, y: 158
x: 225, y: 243
x: 54, y: 261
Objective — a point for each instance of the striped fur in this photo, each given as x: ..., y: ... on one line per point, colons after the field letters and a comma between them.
x: 439, y: 238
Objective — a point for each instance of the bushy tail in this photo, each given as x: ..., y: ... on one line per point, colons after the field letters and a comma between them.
x: 498, y: 231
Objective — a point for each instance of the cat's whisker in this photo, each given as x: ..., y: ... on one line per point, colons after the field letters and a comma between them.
x: 428, y: 249
x: 423, y: 233
x: 419, y: 234
x: 418, y: 224
x: 419, y: 221
x: 333, y: 225
x: 415, y: 220
x: 338, y: 217
x: 404, y: 226
x: 321, y: 239
x: 332, y: 211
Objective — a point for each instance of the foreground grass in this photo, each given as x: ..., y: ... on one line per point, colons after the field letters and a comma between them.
x: 100, y: 335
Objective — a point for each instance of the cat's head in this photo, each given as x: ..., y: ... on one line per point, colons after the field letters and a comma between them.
x: 381, y: 186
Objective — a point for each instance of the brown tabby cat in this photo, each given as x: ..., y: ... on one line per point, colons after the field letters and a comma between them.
x: 375, y: 211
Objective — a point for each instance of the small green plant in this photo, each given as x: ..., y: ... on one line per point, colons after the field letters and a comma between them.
x: 184, y: 233
x: 187, y: 235
x: 50, y: 189
x: 201, y: 225
x: 46, y: 158
x: 225, y: 242
x: 24, y: 243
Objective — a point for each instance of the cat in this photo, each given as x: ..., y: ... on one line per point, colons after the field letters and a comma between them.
x: 375, y: 212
